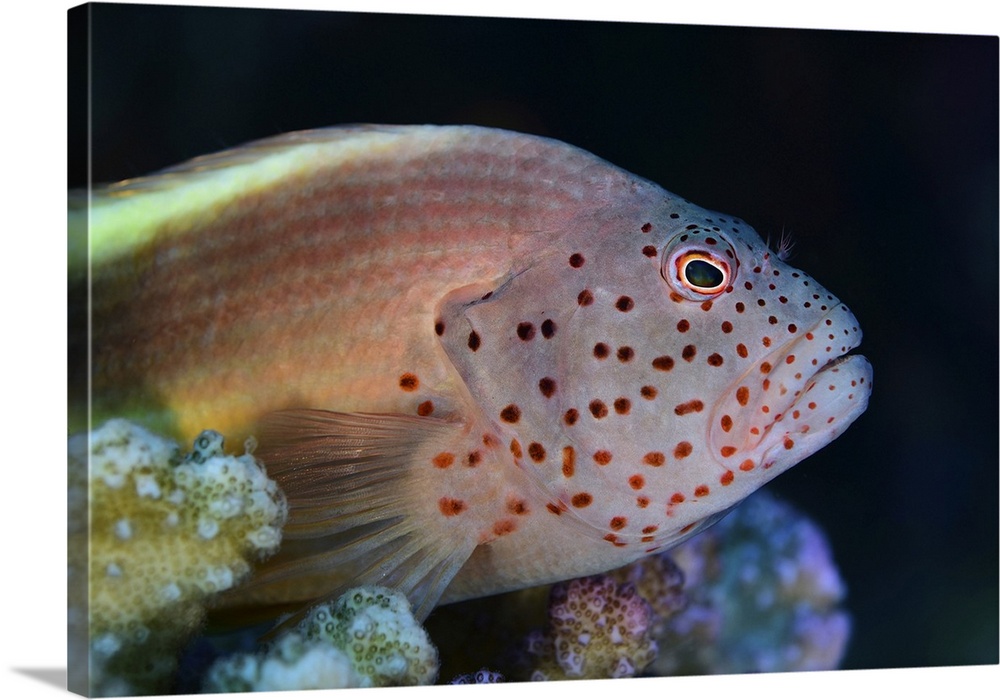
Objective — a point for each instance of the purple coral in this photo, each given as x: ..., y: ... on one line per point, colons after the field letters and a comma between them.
x: 597, y: 628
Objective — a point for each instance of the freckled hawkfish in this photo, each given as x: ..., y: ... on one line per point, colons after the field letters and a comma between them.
x: 474, y: 360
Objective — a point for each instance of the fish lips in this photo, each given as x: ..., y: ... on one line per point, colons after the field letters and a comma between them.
x: 794, y: 401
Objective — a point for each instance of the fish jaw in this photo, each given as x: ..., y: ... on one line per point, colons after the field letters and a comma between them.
x: 793, y: 402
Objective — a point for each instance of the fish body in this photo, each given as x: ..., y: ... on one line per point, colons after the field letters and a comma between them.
x: 474, y: 360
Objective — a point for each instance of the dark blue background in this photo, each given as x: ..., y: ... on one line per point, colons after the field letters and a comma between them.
x: 878, y: 152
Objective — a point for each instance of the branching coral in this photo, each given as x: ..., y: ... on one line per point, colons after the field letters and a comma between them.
x: 368, y: 637
x: 763, y: 592
x: 597, y: 628
x: 164, y: 531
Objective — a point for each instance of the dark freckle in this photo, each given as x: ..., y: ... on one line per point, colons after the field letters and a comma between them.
x: 727, y: 327
x: 675, y: 215
x: 772, y: 320
x: 525, y: 331
x: 598, y: 409
x: 689, y: 352
x: 664, y: 363
x: 740, y: 308
x: 486, y: 296
x: 536, y: 452
x: 648, y: 392
x: 548, y: 328
x: 625, y: 353
x: 473, y: 341
x: 571, y: 416
x: 576, y: 260
x: 622, y: 406
x: 760, y: 302
x: 792, y: 328
x: 706, y: 305
x: 426, y: 408
x: 649, y: 251
x: 710, y: 240
x: 601, y: 351
x: 683, y: 325
x: 547, y: 385
x: 510, y: 414
x: 715, y: 359
x: 585, y: 298
x: 748, y: 285
x: 647, y: 227
x: 439, y: 327
x: 408, y: 382
x: 624, y: 303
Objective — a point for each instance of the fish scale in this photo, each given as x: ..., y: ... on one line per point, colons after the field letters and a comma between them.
x: 474, y: 360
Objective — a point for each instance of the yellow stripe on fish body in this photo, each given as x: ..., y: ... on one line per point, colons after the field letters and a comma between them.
x: 497, y: 360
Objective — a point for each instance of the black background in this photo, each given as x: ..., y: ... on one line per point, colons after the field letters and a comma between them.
x: 878, y: 152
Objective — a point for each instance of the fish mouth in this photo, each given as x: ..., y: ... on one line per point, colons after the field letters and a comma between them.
x: 795, y: 400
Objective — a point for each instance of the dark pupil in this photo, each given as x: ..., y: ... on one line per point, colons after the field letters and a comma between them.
x: 703, y: 274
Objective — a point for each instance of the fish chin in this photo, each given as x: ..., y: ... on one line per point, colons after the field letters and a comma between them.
x: 795, y: 400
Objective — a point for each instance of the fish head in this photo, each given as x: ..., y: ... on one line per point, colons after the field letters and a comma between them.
x: 656, y: 365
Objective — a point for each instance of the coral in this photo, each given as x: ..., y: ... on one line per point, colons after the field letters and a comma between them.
x: 763, y: 592
x: 597, y: 628
x: 164, y: 531
x: 368, y: 637
x: 660, y: 582
x: 480, y: 676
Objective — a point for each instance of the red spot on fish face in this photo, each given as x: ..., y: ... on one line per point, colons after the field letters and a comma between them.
x: 746, y: 465
x: 642, y: 501
x: 525, y: 331
x: 689, y: 352
x: 568, y: 461
x: 726, y: 422
x: 515, y: 449
x: 788, y: 443
x: 450, y: 506
x: 536, y: 451
x: 741, y: 350
x: 504, y: 527
x: 585, y: 298
x: 624, y: 304
x: 474, y: 341
x: 742, y: 396
x: 682, y: 450
x: 443, y: 460
x: 625, y: 353
x: 576, y: 260
x: 706, y: 305
x: 728, y: 451
x: 618, y: 522
x: 490, y: 440
x: 602, y: 457
x: 425, y: 408
x: 727, y: 327
x: 693, y: 406
x: 715, y: 359
x: 473, y: 458
x: 510, y: 414
x: 790, y: 359
x: 601, y: 351
x: 648, y: 392
x: 646, y: 227
x: 654, y: 459
x: 701, y: 491
x: 636, y: 481
x: 581, y: 500
x: 554, y: 508
x: 622, y: 406
x: 765, y: 367
x: 598, y: 409
x: 649, y: 251
x: 740, y: 308
x: 548, y: 328
x: 408, y: 382
x: 726, y: 479
x: 547, y: 385
x: 664, y: 363
x: 677, y: 498
x: 439, y: 327
x: 516, y: 506
x: 571, y: 416
x: 683, y: 326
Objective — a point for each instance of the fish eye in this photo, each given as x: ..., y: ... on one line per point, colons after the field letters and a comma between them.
x: 702, y: 274
x: 698, y: 272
